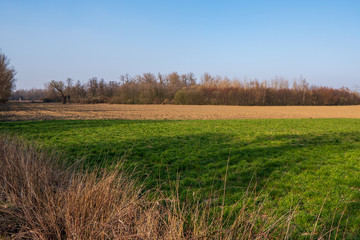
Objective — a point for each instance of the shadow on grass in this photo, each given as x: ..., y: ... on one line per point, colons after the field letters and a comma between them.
x: 198, y: 162
x: 200, y: 159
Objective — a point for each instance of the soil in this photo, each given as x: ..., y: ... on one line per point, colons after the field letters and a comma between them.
x: 20, y: 111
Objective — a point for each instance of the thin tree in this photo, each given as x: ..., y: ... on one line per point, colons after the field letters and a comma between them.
x: 7, y: 80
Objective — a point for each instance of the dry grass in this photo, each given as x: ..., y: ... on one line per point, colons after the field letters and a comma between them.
x: 38, y: 200
x: 49, y: 111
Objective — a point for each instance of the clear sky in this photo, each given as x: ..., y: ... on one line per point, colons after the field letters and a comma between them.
x: 53, y: 40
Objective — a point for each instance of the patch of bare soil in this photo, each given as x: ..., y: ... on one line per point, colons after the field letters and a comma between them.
x: 48, y: 111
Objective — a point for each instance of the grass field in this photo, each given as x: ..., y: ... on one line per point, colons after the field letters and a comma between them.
x: 301, y: 162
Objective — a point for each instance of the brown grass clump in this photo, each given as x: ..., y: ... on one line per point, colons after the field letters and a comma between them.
x: 39, y: 200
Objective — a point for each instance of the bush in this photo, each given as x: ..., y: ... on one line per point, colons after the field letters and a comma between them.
x: 190, y: 95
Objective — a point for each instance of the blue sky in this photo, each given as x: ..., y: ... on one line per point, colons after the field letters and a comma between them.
x: 46, y: 40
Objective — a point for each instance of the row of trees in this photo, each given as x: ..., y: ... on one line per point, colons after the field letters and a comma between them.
x: 142, y: 89
x: 179, y: 89
x: 222, y: 91
x: 31, y: 94
x: 184, y: 89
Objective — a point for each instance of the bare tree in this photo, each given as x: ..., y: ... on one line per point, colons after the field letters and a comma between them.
x: 7, y: 80
x: 93, y: 86
x: 59, y: 86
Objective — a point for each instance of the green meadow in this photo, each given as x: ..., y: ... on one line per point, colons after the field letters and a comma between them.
x: 302, y: 163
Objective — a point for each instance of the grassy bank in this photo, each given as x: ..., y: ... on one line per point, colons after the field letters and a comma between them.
x: 310, y: 165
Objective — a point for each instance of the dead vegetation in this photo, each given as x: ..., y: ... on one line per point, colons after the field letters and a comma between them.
x: 39, y: 201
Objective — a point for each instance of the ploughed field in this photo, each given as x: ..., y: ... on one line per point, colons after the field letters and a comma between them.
x: 50, y: 111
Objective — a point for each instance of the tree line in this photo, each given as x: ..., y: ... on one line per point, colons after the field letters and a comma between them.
x: 279, y: 91
x: 177, y: 88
